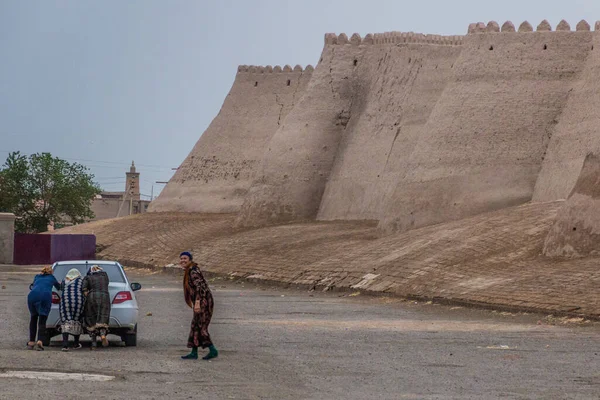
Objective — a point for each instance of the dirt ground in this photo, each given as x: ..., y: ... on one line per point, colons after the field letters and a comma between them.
x: 290, y: 344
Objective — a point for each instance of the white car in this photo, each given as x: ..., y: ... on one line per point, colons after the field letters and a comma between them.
x: 124, y: 307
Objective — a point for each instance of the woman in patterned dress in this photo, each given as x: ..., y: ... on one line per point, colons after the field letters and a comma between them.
x: 198, y: 296
x: 71, y: 308
x: 96, y: 313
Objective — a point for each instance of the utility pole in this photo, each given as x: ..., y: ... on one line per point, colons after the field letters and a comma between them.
x: 152, y: 193
x: 122, y: 202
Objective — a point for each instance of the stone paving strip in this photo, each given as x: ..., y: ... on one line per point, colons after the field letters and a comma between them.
x: 55, y: 376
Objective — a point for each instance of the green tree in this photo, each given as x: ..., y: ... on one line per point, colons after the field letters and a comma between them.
x: 41, y: 189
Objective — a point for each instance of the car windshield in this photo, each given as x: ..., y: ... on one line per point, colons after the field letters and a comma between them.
x: 113, y: 271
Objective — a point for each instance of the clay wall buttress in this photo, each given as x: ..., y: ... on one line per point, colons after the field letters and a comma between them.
x: 218, y: 171
x: 298, y: 159
x: 484, y: 142
x: 576, y: 229
x: 577, y: 132
x: 400, y: 82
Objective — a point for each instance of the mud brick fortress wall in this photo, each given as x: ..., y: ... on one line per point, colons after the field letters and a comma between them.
x: 218, y: 171
x: 577, y: 132
x: 484, y: 143
x: 403, y: 128
x: 400, y: 79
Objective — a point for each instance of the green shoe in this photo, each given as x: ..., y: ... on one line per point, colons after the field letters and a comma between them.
x: 212, y: 353
x: 190, y: 356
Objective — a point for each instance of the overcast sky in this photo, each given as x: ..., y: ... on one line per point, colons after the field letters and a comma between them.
x: 113, y: 81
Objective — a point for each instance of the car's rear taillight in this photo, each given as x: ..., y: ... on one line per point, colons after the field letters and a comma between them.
x: 55, y: 298
x: 122, y: 297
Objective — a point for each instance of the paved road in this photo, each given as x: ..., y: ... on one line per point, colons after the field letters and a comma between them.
x: 285, y: 344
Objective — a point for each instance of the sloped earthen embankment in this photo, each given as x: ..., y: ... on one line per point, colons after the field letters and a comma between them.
x: 490, y: 260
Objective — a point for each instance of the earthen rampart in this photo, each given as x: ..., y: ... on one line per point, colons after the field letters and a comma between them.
x: 400, y: 84
x: 485, y: 140
x: 411, y: 129
x: 576, y: 230
x: 218, y: 171
x: 299, y: 159
x: 576, y: 133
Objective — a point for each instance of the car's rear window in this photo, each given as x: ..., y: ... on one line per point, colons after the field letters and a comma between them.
x: 113, y: 271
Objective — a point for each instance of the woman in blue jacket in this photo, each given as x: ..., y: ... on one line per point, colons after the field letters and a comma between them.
x: 39, y: 302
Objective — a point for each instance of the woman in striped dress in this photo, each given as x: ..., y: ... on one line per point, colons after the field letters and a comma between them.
x: 71, y: 308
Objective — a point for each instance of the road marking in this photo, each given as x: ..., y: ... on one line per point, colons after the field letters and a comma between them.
x: 56, y: 376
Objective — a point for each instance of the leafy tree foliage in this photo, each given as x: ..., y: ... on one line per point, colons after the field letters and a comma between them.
x: 41, y: 189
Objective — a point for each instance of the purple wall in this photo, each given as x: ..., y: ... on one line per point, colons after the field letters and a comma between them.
x: 31, y: 249
x: 73, y: 247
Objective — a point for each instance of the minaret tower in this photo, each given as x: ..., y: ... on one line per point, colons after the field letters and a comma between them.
x: 132, y: 183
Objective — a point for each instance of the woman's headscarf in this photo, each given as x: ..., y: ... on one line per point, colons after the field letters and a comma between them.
x: 72, y: 275
x: 95, y: 268
x: 47, y: 270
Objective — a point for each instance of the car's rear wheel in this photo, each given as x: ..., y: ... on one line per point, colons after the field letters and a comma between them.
x: 130, y: 338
